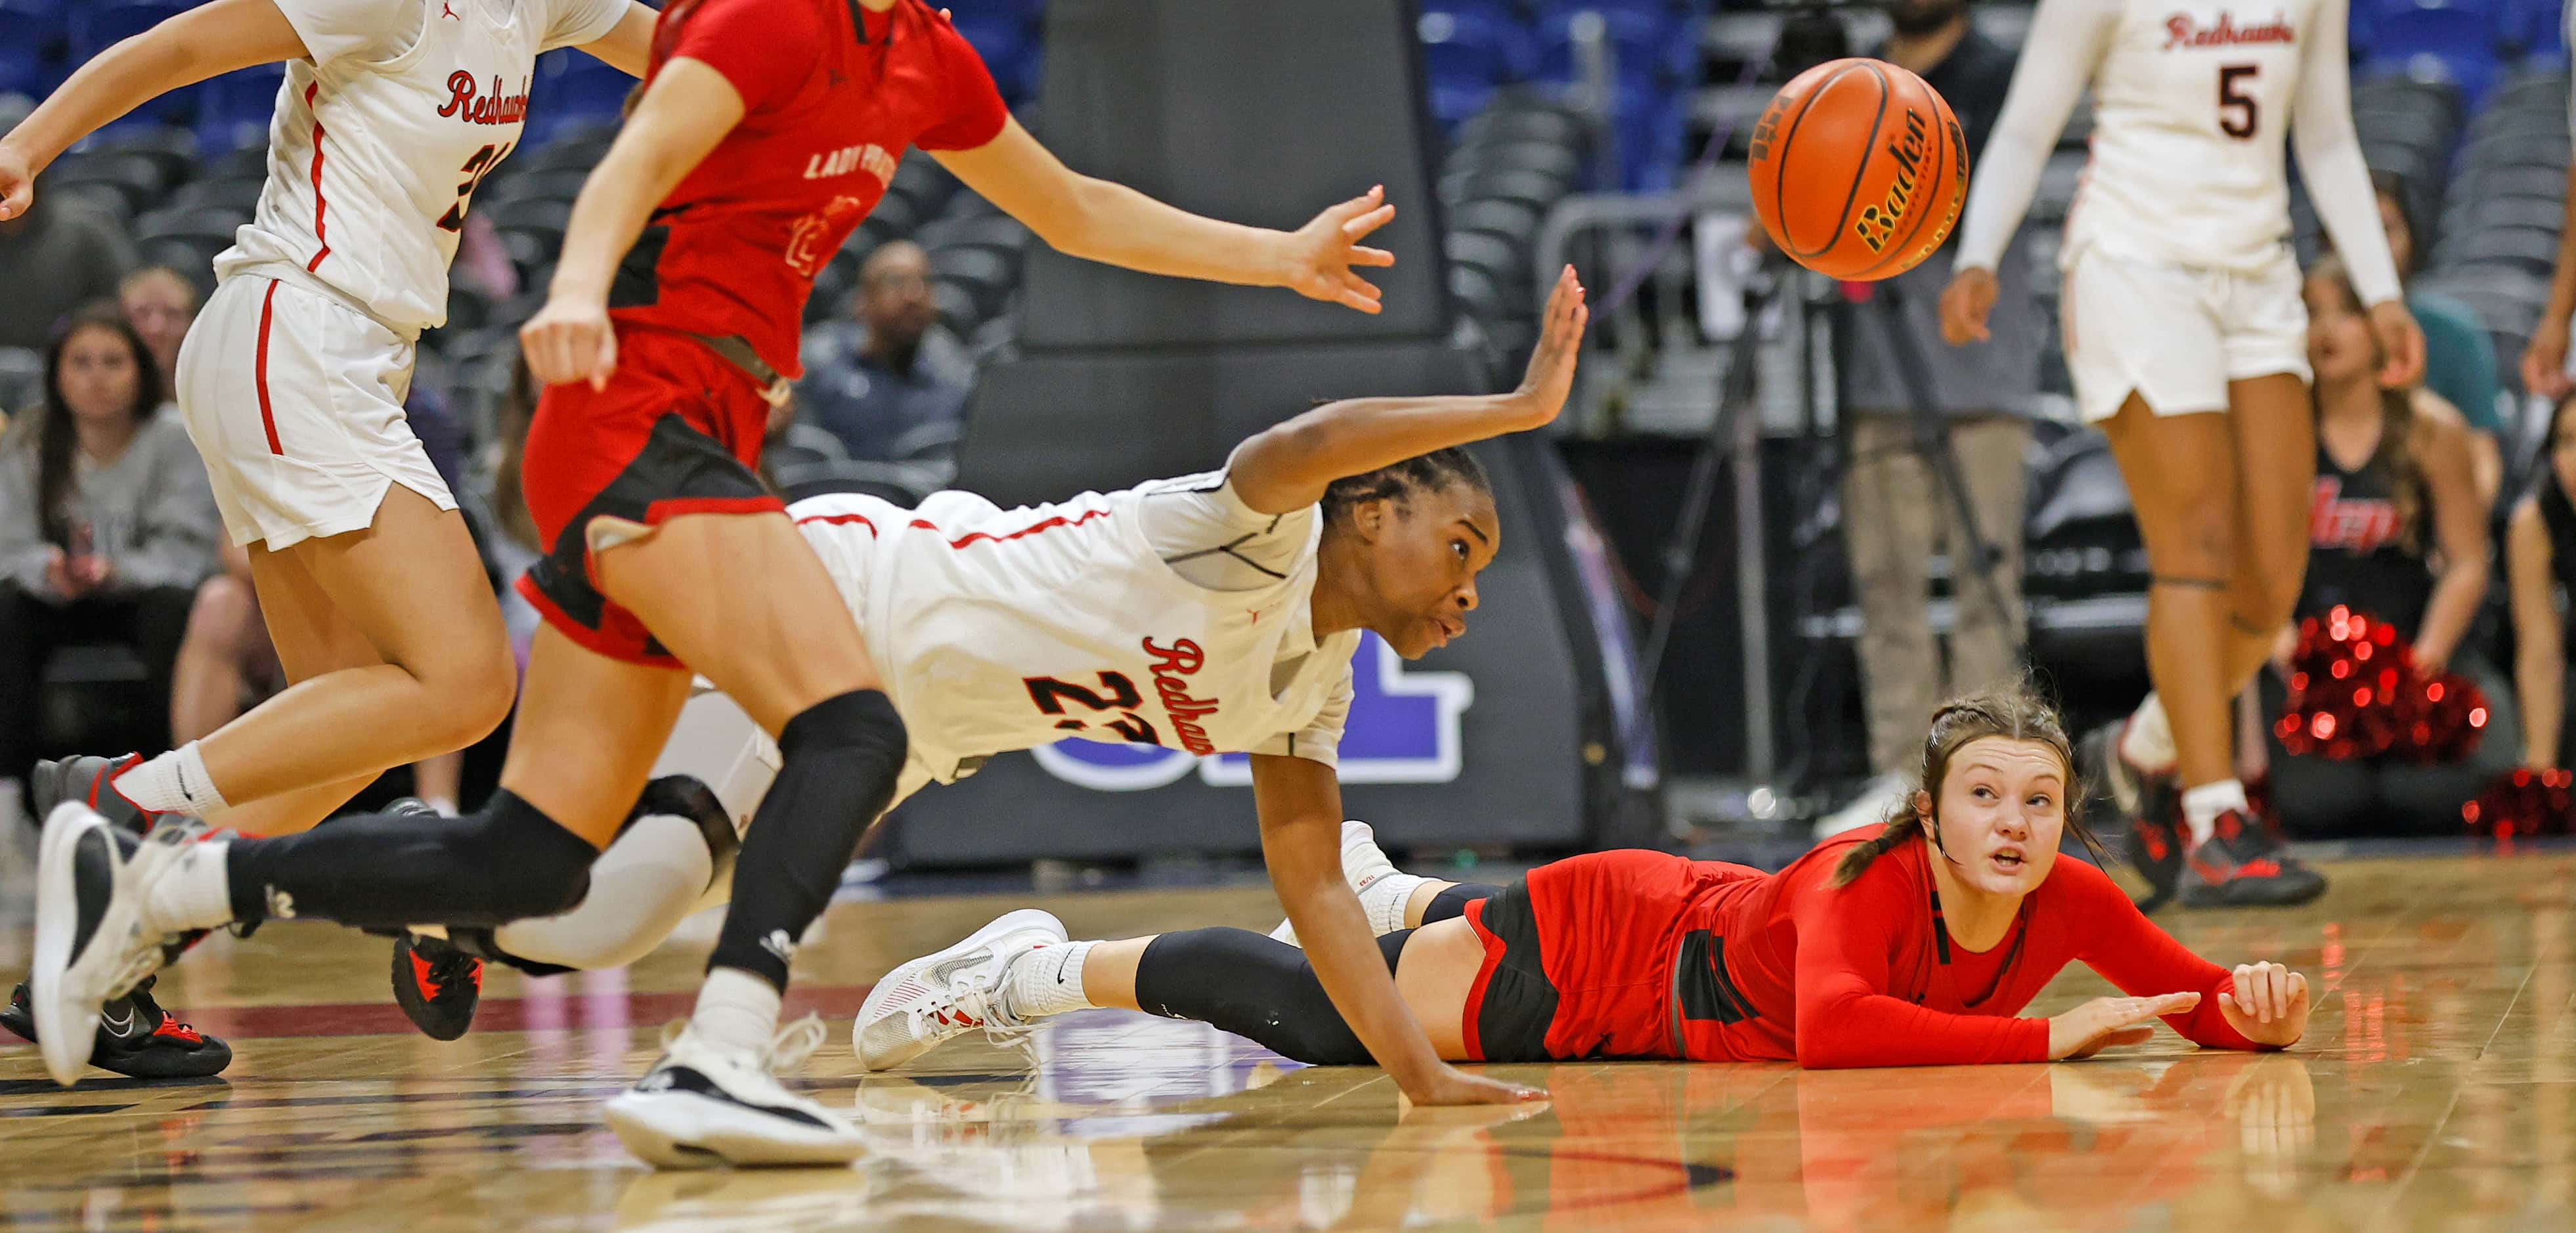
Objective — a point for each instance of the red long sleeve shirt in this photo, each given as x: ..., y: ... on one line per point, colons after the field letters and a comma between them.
x: 1854, y: 976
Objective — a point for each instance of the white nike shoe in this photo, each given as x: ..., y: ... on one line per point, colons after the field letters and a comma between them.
x: 938, y: 996
x: 1363, y: 863
x: 704, y: 1105
x: 94, y: 942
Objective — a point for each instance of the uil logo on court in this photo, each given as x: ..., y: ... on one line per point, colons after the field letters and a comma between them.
x: 1403, y: 728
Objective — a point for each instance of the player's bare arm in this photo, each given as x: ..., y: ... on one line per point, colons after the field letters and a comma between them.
x: 684, y: 113
x: 1300, y: 804
x: 628, y: 46
x: 1097, y: 220
x: 207, y: 41
x: 1288, y: 466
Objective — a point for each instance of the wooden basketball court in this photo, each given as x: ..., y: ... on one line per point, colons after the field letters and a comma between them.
x: 2436, y: 1089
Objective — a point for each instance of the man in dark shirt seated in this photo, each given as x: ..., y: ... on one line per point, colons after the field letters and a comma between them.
x: 894, y: 370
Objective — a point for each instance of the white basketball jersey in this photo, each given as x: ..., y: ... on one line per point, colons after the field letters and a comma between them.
x: 2191, y: 112
x: 1002, y: 629
x: 382, y: 136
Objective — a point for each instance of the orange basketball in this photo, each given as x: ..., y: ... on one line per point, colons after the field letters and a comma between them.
x: 1858, y: 169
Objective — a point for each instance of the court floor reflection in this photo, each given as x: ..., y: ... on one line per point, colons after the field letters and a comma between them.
x: 2437, y: 1089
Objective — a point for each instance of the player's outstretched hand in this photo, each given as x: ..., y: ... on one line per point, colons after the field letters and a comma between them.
x: 568, y: 342
x: 17, y: 183
x: 2401, y: 340
x: 1965, y: 304
x: 1321, y: 253
x: 1449, y: 1085
x: 1550, y: 377
x: 2270, y: 1005
x: 2104, y: 1022
x: 2544, y: 362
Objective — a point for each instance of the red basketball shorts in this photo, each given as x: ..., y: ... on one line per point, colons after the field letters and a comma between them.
x: 1580, y: 955
x: 677, y: 431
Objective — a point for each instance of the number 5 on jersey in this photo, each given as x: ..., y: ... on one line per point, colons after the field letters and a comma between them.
x: 475, y: 168
x: 2238, y: 115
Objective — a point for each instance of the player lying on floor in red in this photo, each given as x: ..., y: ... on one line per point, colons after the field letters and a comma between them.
x: 1916, y: 944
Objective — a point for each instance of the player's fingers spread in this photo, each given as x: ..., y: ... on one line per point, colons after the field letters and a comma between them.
x: 1372, y: 256
x: 1366, y: 223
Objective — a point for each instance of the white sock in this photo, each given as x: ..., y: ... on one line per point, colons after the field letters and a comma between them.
x: 2147, y: 739
x: 736, y: 1010
x: 640, y: 889
x: 1384, y: 899
x: 1047, y: 981
x: 175, y: 782
x: 444, y: 807
x: 193, y: 892
x: 2202, y: 805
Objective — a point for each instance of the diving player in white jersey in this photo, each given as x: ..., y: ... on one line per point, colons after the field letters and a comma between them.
x: 1214, y: 613
x: 292, y: 379
x: 2186, y: 339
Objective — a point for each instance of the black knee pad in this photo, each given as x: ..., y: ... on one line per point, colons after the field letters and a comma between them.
x: 861, y: 725
x: 537, y: 868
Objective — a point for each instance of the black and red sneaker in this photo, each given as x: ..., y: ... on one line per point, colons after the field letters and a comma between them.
x: 91, y: 780
x: 136, y: 1038
x: 2243, y: 865
x: 2143, y: 805
x: 437, y: 985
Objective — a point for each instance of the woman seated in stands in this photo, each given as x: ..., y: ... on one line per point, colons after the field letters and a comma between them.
x: 2540, y: 560
x: 1917, y: 944
x: 2397, y: 532
x: 106, y: 525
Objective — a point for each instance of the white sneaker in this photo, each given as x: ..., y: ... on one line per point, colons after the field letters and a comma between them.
x: 93, y: 941
x: 941, y: 995
x: 705, y: 1105
x: 1878, y: 801
x: 1363, y: 862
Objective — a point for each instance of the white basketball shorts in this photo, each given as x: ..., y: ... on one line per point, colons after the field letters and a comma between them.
x: 2177, y: 334
x: 295, y: 402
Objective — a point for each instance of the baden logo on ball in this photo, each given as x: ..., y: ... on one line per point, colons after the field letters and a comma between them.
x: 1859, y: 169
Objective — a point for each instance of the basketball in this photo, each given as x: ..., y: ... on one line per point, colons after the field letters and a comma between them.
x: 1858, y: 169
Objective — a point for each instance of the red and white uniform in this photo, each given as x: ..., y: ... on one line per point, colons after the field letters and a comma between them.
x: 1169, y: 614
x: 2179, y: 274
x: 731, y: 254
x: 294, y: 376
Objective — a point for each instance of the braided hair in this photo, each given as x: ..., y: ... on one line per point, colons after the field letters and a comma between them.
x: 1436, y: 471
x: 2015, y: 713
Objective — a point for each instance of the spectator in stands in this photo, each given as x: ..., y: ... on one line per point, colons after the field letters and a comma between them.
x: 2540, y: 561
x: 501, y: 505
x: 227, y: 665
x: 106, y: 523
x: 793, y: 446
x: 53, y: 260
x: 160, y: 303
x: 901, y: 373
x: 1897, y: 510
x: 2544, y: 358
x: 2459, y: 361
x: 2398, y: 533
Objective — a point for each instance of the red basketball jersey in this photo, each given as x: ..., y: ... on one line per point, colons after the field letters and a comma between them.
x: 832, y: 94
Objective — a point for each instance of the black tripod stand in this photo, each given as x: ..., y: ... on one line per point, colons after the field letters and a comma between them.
x: 1933, y: 444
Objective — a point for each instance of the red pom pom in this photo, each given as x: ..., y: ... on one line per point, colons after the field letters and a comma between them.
x: 2338, y: 710
x: 2524, y: 802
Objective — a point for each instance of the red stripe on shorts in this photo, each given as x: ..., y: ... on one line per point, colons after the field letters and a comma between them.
x: 267, y: 417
